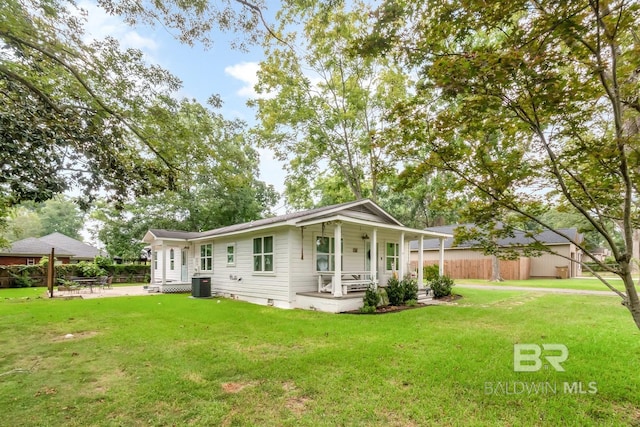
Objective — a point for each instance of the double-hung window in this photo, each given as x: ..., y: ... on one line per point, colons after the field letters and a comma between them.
x: 392, y: 256
x: 155, y: 260
x: 206, y: 257
x: 231, y: 255
x: 325, y: 253
x: 263, y: 254
x: 172, y: 259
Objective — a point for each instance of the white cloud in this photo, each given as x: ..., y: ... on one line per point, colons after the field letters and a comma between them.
x: 246, y: 72
x: 100, y: 25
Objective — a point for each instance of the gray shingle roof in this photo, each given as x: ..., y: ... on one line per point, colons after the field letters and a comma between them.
x: 547, y: 237
x: 174, y: 234
x: 33, y: 246
x: 77, y: 248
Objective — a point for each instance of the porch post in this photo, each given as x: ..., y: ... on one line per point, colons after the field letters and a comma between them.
x: 153, y: 270
x: 421, y: 262
x: 441, y: 265
x: 374, y: 257
x: 337, y: 252
x: 164, y: 265
x: 401, y: 259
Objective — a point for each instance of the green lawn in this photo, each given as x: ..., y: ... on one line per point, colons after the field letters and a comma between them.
x: 578, y: 283
x: 173, y: 360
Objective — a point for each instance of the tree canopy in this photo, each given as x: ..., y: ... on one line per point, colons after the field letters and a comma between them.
x: 531, y: 104
x: 323, y: 110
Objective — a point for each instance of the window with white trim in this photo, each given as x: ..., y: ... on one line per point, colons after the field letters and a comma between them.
x: 231, y: 255
x: 172, y: 259
x: 263, y: 254
x: 392, y: 256
x: 325, y: 253
x: 206, y: 257
x: 155, y: 260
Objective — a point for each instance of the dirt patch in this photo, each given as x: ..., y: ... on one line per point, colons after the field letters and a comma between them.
x: 75, y: 336
x: 233, y: 388
x: 297, y: 405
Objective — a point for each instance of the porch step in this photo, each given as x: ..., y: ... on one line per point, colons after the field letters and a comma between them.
x: 422, y: 296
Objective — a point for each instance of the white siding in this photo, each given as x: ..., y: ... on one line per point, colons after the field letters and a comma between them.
x: 240, y: 281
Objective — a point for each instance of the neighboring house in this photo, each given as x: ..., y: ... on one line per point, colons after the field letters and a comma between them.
x: 292, y: 260
x: 466, y: 262
x: 31, y: 250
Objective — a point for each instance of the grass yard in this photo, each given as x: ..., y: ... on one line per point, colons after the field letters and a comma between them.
x: 577, y: 283
x: 172, y: 360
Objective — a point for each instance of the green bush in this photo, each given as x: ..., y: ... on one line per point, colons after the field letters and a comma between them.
x: 409, y: 289
x: 395, y: 291
x: 431, y: 272
x: 368, y: 309
x: 371, y: 296
x: 441, y: 286
x: 103, y: 262
x: 384, y: 298
x: 90, y: 269
x: 22, y: 279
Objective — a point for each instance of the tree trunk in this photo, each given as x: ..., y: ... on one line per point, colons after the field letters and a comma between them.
x: 495, y: 270
x: 632, y: 302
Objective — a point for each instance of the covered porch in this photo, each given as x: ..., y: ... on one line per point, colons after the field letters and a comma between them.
x: 340, y: 272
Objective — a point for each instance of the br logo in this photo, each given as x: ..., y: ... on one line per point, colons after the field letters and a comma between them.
x: 527, y: 357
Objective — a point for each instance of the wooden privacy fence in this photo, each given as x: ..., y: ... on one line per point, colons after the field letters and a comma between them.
x: 519, y: 269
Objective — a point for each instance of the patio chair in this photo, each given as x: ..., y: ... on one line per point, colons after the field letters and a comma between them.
x: 107, y: 283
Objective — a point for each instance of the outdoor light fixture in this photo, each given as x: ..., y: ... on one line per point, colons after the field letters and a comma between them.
x: 365, y: 236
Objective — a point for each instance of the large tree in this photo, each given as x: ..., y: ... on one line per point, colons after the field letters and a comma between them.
x: 216, y: 183
x: 70, y: 109
x: 529, y: 102
x: 323, y: 109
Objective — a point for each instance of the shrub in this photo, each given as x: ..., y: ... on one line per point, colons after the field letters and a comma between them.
x: 411, y: 303
x: 367, y: 309
x: 22, y: 280
x: 371, y: 296
x: 441, y: 286
x: 384, y: 298
x: 103, y: 262
x: 90, y: 269
x: 395, y: 291
x: 431, y: 272
x: 409, y: 289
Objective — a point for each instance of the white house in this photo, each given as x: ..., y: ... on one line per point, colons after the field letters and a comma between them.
x: 289, y: 261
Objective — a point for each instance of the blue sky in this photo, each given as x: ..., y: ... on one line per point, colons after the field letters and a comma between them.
x: 217, y: 70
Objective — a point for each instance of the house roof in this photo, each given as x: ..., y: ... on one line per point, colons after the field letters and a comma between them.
x: 32, y: 246
x: 356, y: 210
x: 547, y: 237
x: 77, y: 248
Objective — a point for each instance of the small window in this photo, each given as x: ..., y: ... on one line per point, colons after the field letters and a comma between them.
x: 31, y: 261
x: 206, y: 257
x: 263, y: 254
x: 172, y: 260
x: 155, y: 260
x: 231, y: 254
x: 392, y: 256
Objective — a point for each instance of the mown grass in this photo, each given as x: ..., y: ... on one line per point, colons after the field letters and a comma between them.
x: 576, y: 283
x: 173, y: 360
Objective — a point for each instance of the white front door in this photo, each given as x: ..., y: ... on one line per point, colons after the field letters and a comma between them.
x: 184, y: 273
